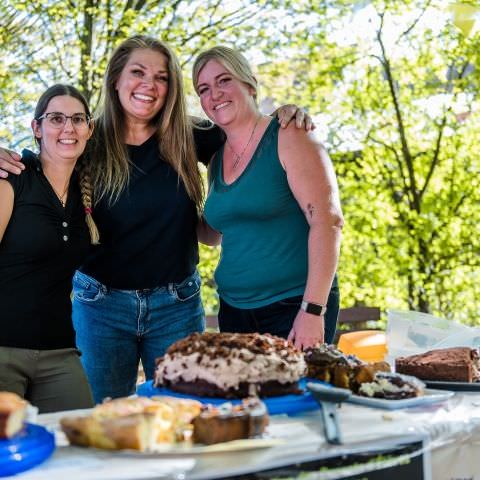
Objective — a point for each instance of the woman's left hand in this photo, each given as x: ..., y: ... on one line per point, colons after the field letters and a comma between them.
x: 308, y: 330
x: 286, y: 113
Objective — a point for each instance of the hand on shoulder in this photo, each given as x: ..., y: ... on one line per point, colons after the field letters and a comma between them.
x: 295, y: 143
x: 10, y: 162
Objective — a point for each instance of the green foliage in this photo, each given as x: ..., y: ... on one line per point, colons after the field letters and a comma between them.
x: 71, y: 40
x: 396, y: 101
x: 208, y: 261
x: 402, y: 125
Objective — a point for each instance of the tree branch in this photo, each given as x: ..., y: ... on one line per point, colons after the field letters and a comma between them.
x: 399, y: 162
x: 409, y: 29
x: 400, y: 125
x: 436, y: 154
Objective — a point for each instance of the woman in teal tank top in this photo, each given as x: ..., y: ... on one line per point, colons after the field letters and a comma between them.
x: 274, y: 205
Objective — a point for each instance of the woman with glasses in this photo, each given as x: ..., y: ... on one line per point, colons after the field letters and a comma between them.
x: 274, y: 198
x: 46, y: 228
x: 138, y: 290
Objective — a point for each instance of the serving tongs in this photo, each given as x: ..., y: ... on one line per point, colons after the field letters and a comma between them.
x: 328, y: 398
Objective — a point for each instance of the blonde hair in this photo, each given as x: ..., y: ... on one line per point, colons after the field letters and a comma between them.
x: 110, y: 170
x: 84, y: 179
x: 232, y: 60
x: 86, y: 191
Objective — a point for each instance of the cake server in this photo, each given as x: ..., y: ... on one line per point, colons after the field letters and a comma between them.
x: 328, y: 398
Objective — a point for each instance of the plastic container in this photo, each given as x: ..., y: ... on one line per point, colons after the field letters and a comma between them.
x: 30, y: 447
x: 410, y: 333
x: 282, y: 404
x: 368, y: 345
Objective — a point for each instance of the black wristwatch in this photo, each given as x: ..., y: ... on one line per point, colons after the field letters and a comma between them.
x: 313, y: 308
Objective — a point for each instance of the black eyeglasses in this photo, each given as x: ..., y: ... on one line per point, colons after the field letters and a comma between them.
x: 59, y: 119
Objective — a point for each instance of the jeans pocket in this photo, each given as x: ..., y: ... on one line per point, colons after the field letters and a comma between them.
x: 188, y: 289
x: 86, y: 289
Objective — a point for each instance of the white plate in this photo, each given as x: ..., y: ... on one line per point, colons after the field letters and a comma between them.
x: 188, y: 449
x: 431, y: 396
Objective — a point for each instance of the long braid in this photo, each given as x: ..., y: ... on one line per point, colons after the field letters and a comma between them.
x: 87, y: 193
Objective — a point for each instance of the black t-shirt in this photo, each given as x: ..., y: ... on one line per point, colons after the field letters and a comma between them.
x: 42, y: 246
x: 148, y: 236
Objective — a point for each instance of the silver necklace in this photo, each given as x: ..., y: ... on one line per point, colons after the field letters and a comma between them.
x: 237, y: 156
x: 61, y: 197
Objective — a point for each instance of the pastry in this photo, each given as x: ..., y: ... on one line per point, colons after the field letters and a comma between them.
x: 13, y: 410
x: 132, y: 423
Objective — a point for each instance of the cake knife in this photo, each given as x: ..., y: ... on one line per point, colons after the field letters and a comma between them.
x: 328, y: 398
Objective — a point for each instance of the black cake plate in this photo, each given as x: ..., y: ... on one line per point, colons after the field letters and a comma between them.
x: 453, y: 386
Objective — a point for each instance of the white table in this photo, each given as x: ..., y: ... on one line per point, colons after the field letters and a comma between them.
x: 451, y: 430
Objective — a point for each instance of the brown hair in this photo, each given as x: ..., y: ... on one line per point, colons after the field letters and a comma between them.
x: 232, y: 60
x: 85, y: 185
x: 111, y: 169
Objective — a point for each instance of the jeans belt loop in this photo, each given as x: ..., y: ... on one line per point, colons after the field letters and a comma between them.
x: 171, y: 288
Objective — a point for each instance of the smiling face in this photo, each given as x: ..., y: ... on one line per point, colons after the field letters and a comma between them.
x: 142, y: 86
x: 224, y: 98
x: 68, y: 142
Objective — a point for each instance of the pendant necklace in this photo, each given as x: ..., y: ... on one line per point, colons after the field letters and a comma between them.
x: 61, y: 197
x: 237, y: 156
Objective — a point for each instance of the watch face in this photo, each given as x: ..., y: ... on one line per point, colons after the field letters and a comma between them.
x: 314, y: 308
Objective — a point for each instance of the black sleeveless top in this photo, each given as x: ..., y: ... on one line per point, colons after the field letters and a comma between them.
x: 42, y: 247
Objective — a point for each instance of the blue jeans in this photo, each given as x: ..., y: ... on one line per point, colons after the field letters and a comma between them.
x: 117, y: 328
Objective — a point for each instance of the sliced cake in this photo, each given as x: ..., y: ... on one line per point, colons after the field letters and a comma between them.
x: 230, y: 422
x: 457, y: 364
x: 392, y: 386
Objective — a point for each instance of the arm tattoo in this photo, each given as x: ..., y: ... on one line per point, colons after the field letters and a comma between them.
x: 310, y: 209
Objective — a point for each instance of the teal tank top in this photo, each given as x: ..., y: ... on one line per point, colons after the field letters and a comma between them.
x: 265, y: 234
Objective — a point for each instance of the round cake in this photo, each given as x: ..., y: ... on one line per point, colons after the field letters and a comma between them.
x: 231, y: 365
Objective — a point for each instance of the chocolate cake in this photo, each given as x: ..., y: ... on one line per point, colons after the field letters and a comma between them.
x: 327, y: 363
x: 457, y: 364
x: 13, y: 410
x: 392, y: 386
x: 231, y: 365
x: 230, y: 422
x: 322, y: 360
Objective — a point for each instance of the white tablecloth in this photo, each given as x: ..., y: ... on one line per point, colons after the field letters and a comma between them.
x: 452, y: 429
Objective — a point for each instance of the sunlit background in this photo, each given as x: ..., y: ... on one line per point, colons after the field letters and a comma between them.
x: 393, y: 87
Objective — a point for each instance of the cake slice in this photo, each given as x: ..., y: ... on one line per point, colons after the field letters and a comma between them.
x: 321, y: 361
x: 131, y: 423
x: 327, y: 363
x: 457, y: 364
x: 230, y: 422
x: 392, y: 386
x: 136, y: 432
x: 13, y: 410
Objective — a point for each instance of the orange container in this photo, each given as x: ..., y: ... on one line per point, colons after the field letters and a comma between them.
x: 368, y: 345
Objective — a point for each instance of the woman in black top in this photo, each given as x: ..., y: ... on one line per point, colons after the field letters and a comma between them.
x: 139, y: 291
x: 43, y: 238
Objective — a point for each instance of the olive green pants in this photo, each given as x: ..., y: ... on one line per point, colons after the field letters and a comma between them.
x: 51, y: 380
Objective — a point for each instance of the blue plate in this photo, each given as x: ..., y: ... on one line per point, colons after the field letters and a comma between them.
x: 286, y: 404
x: 30, y: 447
